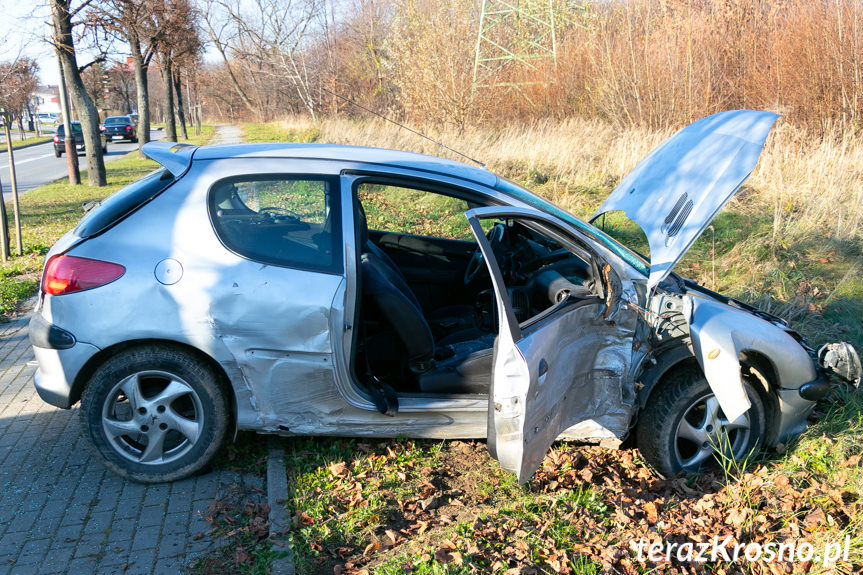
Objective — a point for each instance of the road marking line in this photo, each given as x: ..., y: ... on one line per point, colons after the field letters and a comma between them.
x: 18, y: 162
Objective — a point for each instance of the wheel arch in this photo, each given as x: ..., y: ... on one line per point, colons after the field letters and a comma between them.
x: 758, y: 369
x: 659, y: 364
x: 86, y: 372
x: 755, y: 367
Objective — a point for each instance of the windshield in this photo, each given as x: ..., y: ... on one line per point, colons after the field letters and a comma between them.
x: 511, y: 188
x: 117, y: 120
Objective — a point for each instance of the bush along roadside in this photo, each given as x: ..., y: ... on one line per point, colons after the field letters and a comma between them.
x: 428, y: 507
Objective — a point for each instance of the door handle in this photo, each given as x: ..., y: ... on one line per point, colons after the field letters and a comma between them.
x: 542, y: 371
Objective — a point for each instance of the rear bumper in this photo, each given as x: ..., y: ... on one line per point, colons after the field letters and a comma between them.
x: 58, y: 368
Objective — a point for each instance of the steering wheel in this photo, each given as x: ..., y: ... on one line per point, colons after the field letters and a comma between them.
x: 276, y: 212
x: 476, y: 263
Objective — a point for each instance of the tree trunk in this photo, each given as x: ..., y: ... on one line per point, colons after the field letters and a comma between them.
x: 143, y: 91
x: 181, y: 114
x: 83, y: 103
x: 167, y: 80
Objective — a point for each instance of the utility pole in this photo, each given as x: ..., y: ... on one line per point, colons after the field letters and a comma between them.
x: 71, y: 152
x: 19, y: 247
x: 4, y: 228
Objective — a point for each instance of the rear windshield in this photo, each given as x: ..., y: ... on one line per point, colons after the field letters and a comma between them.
x: 76, y: 128
x: 122, y: 203
x: 117, y: 120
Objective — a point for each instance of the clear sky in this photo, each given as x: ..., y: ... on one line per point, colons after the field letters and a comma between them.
x: 23, y: 29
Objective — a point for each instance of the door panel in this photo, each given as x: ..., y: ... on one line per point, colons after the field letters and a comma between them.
x: 556, y: 373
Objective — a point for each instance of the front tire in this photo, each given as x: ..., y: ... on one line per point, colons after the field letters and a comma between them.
x: 682, y: 427
x: 155, y: 414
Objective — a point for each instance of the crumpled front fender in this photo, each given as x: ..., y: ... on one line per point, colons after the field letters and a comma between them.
x: 720, y: 333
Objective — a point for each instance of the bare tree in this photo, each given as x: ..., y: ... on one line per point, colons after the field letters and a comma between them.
x: 136, y: 21
x: 18, y: 82
x: 180, y: 41
x: 271, y: 40
x: 62, y: 16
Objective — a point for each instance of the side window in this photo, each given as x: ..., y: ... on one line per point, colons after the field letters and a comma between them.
x: 404, y: 210
x: 290, y: 221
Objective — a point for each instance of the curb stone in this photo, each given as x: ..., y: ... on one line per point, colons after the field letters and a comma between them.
x: 277, y: 495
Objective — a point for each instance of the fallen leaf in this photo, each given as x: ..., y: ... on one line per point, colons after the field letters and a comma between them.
x: 443, y: 555
x: 650, y: 512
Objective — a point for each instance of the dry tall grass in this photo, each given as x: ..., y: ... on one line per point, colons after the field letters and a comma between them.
x: 810, y: 185
x: 792, y: 242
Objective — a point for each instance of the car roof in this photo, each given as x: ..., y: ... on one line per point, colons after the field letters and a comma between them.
x: 179, y: 154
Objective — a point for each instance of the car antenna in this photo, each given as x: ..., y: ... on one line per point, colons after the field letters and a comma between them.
x: 411, y: 130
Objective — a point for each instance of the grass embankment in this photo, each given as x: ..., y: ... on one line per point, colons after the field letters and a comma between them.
x: 49, y: 211
x: 790, y: 242
x: 16, y: 143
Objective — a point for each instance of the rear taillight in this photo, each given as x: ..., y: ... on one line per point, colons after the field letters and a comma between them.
x: 56, y: 138
x: 128, y: 128
x: 67, y: 274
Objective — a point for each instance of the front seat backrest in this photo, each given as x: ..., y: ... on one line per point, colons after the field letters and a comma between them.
x: 399, y: 306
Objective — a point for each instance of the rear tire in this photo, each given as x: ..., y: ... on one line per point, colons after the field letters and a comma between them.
x: 154, y: 414
x: 57, y: 152
x: 682, y: 425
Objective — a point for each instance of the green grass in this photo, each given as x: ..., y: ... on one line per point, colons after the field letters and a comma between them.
x: 277, y: 132
x: 203, y: 137
x: 403, y: 210
x: 16, y: 143
x: 344, y: 491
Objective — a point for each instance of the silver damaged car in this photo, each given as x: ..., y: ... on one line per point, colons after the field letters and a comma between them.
x: 335, y: 290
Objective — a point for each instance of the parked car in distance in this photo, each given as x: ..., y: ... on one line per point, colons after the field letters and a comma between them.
x: 336, y: 290
x: 117, y: 128
x: 78, y: 136
x: 47, y: 118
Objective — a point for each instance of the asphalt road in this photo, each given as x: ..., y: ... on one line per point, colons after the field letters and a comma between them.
x: 37, y: 165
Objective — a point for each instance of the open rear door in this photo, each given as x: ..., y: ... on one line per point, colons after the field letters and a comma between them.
x: 553, y: 374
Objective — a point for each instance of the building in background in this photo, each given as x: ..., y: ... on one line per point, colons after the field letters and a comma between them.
x: 47, y: 100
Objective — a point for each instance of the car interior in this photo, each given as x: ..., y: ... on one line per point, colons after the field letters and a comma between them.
x: 428, y: 317
x: 428, y: 313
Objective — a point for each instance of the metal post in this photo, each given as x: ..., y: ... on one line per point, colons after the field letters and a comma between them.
x: 18, y: 245
x: 4, y: 228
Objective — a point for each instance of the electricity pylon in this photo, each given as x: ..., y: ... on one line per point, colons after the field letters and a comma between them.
x: 514, y: 36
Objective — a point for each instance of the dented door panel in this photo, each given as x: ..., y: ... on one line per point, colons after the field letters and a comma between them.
x: 572, y: 366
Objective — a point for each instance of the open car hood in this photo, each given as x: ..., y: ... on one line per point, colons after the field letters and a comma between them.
x: 677, y: 190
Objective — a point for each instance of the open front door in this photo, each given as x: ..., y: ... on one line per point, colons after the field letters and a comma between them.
x: 563, y: 367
